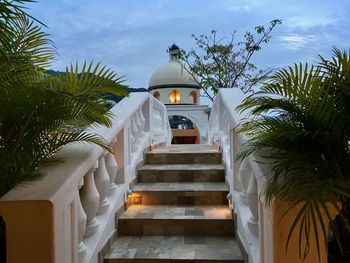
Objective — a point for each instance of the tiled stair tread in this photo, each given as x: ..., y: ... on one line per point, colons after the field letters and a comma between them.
x: 185, y: 148
x: 177, y: 212
x: 180, y: 187
x: 178, y: 167
x: 176, y: 248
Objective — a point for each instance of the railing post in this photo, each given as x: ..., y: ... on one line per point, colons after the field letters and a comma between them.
x: 102, y: 182
x: 89, y: 199
x: 81, y: 228
x: 112, y: 169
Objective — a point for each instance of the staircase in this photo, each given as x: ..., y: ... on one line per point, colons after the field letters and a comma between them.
x: 179, y: 210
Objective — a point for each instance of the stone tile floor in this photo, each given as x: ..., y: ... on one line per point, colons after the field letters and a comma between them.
x: 175, y: 247
x: 177, y: 212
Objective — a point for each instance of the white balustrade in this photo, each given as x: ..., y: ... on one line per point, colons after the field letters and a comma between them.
x: 223, y: 119
x: 258, y: 226
x: 78, y: 198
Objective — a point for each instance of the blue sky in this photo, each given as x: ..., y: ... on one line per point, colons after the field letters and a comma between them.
x: 132, y: 36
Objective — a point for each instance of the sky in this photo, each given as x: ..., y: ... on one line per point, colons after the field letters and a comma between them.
x: 132, y: 37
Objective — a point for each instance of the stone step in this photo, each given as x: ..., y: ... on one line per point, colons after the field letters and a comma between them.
x: 184, y: 154
x: 181, y: 173
x: 213, y: 193
x: 176, y: 220
x: 190, y: 148
x: 174, y: 249
x: 183, y: 158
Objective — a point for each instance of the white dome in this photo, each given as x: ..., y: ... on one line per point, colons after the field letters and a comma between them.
x: 172, y: 73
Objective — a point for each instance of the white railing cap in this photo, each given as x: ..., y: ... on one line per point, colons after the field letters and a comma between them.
x: 232, y: 98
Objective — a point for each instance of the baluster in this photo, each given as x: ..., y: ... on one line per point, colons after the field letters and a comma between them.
x: 140, y: 125
x: 252, y: 192
x: 102, y: 181
x: 89, y: 199
x: 162, y: 119
x: 143, y: 121
x: 81, y: 228
x: 244, y: 175
x: 158, y: 119
x: 134, y: 139
x: 155, y: 118
x: 112, y: 169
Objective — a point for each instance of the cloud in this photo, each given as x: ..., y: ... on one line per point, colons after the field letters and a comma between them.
x: 241, y: 5
x: 309, y: 21
x: 132, y: 36
x: 296, y: 41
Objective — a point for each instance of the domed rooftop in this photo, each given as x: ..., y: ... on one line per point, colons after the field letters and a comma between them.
x: 172, y: 74
x: 173, y: 47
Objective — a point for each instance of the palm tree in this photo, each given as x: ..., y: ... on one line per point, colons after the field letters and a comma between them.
x: 300, y: 126
x: 41, y: 113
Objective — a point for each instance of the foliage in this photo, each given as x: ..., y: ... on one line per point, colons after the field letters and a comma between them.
x: 40, y: 112
x: 222, y: 63
x: 300, y: 126
x: 112, y: 97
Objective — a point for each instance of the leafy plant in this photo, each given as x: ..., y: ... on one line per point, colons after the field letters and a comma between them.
x: 300, y: 126
x: 222, y: 63
x: 41, y: 113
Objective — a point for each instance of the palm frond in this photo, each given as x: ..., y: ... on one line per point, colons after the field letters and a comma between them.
x: 299, y: 125
x: 90, y: 82
x: 44, y: 113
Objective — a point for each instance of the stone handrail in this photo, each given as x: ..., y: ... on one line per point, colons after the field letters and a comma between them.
x: 69, y: 214
x: 262, y: 230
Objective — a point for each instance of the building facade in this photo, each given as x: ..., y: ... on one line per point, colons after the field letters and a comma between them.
x: 175, y: 86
